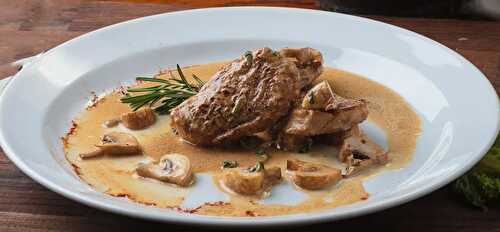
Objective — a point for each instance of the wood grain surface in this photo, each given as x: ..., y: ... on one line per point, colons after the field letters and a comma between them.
x: 28, y: 27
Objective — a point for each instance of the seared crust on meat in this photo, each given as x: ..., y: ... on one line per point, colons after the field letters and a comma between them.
x: 311, y: 122
x: 247, y: 96
x: 321, y: 112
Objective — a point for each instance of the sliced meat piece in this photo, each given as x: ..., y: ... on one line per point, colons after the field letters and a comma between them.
x: 360, y: 153
x: 311, y: 122
x: 334, y: 139
x: 290, y: 142
x: 320, y: 112
x: 247, y: 96
x: 340, y: 103
x: 264, y: 136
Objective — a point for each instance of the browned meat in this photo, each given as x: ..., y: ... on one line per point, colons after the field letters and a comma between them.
x: 334, y: 139
x: 247, y: 96
x: 311, y: 122
x: 360, y: 153
x: 320, y: 112
x: 289, y: 142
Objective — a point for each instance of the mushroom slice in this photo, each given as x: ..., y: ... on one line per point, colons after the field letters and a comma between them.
x: 119, y: 143
x: 360, y: 153
x: 312, y: 176
x: 318, y: 97
x: 138, y: 120
x: 250, y: 183
x: 313, y: 122
x: 111, y: 122
x: 171, y: 168
x: 242, y: 181
x: 272, y: 176
x: 91, y: 154
x: 115, y: 143
x: 321, y: 97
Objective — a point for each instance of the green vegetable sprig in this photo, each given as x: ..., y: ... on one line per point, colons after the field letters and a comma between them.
x: 258, y: 167
x: 170, y: 92
x: 481, y: 185
x: 229, y: 164
x: 262, y: 155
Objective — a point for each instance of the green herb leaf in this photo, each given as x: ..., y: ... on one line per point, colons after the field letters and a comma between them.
x: 478, y: 188
x: 200, y: 82
x: 183, y: 78
x: 249, y: 56
x: 250, y: 142
x: 306, y: 147
x: 481, y: 185
x: 311, y: 97
x: 258, y: 167
x: 262, y: 156
x: 170, y: 92
x: 229, y: 164
x: 238, y: 105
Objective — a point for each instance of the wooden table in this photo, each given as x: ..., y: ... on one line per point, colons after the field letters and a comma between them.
x: 28, y: 27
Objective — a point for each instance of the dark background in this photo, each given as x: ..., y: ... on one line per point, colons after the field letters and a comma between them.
x: 464, y: 9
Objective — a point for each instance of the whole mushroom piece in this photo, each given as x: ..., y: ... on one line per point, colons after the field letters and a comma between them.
x: 111, y: 122
x: 360, y: 153
x: 171, y: 168
x: 312, y: 176
x: 251, y: 181
x: 272, y: 176
x: 321, y: 97
x: 115, y: 143
x: 242, y: 181
x: 138, y: 120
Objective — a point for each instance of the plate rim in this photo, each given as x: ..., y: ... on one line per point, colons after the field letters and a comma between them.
x: 326, y: 215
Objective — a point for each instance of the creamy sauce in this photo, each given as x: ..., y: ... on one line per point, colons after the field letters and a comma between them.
x: 116, y: 176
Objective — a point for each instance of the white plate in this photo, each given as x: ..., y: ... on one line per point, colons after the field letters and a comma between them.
x: 458, y: 106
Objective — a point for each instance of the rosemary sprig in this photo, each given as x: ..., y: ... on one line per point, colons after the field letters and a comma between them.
x: 170, y: 92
